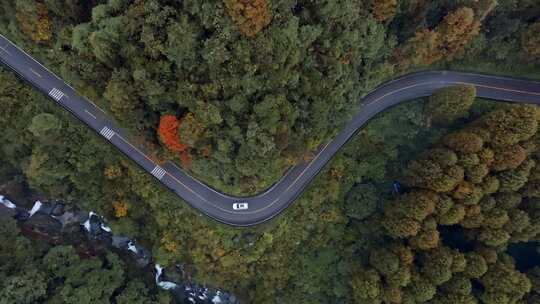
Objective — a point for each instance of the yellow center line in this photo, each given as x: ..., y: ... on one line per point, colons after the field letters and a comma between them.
x: 498, y: 88
x: 189, y: 188
x: 383, y: 96
x: 308, y: 166
x: 197, y: 181
x: 402, y: 89
x: 127, y: 142
x: 150, y: 160
x: 324, y: 148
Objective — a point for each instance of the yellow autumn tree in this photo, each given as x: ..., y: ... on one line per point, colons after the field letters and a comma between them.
x: 446, y: 41
x: 33, y: 18
x: 384, y: 10
x: 120, y: 209
x: 112, y: 172
x: 251, y: 16
x: 170, y: 243
x: 457, y: 29
x: 422, y: 49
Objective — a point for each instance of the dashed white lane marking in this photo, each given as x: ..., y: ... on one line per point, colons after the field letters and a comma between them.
x: 56, y: 94
x: 44, y: 67
x: 192, y: 189
x: 5, y: 50
x: 35, y: 73
x: 107, y: 133
x: 90, y: 114
x: 158, y: 172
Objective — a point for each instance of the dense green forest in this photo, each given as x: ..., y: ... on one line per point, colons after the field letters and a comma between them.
x: 33, y: 272
x: 471, y: 196
x: 236, y: 91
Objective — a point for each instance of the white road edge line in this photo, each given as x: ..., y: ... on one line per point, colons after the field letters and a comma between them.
x: 158, y: 170
x: 44, y: 67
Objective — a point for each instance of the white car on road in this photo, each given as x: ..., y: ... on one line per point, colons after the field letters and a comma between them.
x: 240, y: 206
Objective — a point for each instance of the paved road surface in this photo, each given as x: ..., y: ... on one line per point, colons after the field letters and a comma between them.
x: 271, y: 202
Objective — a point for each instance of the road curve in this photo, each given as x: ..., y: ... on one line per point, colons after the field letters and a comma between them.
x: 271, y: 202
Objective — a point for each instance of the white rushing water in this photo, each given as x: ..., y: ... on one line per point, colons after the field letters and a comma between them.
x: 105, y: 228
x: 87, y: 223
x: 163, y: 284
x: 132, y: 248
x: 35, y: 208
x: 216, y: 299
x: 7, y: 202
x: 192, y: 294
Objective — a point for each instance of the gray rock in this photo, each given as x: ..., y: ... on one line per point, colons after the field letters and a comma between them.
x: 8, y: 212
x: 58, y: 223
x: 57, y: 209
x: 44, y: 227
x: 72, y: 218
x: 21, y: 214
x: 141, y: 255
x: 120, y: 242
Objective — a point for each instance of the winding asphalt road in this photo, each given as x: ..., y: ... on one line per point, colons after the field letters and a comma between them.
x: 271, y: 202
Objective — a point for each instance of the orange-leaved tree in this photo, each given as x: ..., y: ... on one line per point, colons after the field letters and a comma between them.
x: 457, y: 30
x: 168, y: 133
x: 446, y: 41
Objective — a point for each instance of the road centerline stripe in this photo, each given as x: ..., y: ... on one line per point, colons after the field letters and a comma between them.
x: 90, y: 114
x: 385, y: 94
x: 35, y: 73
